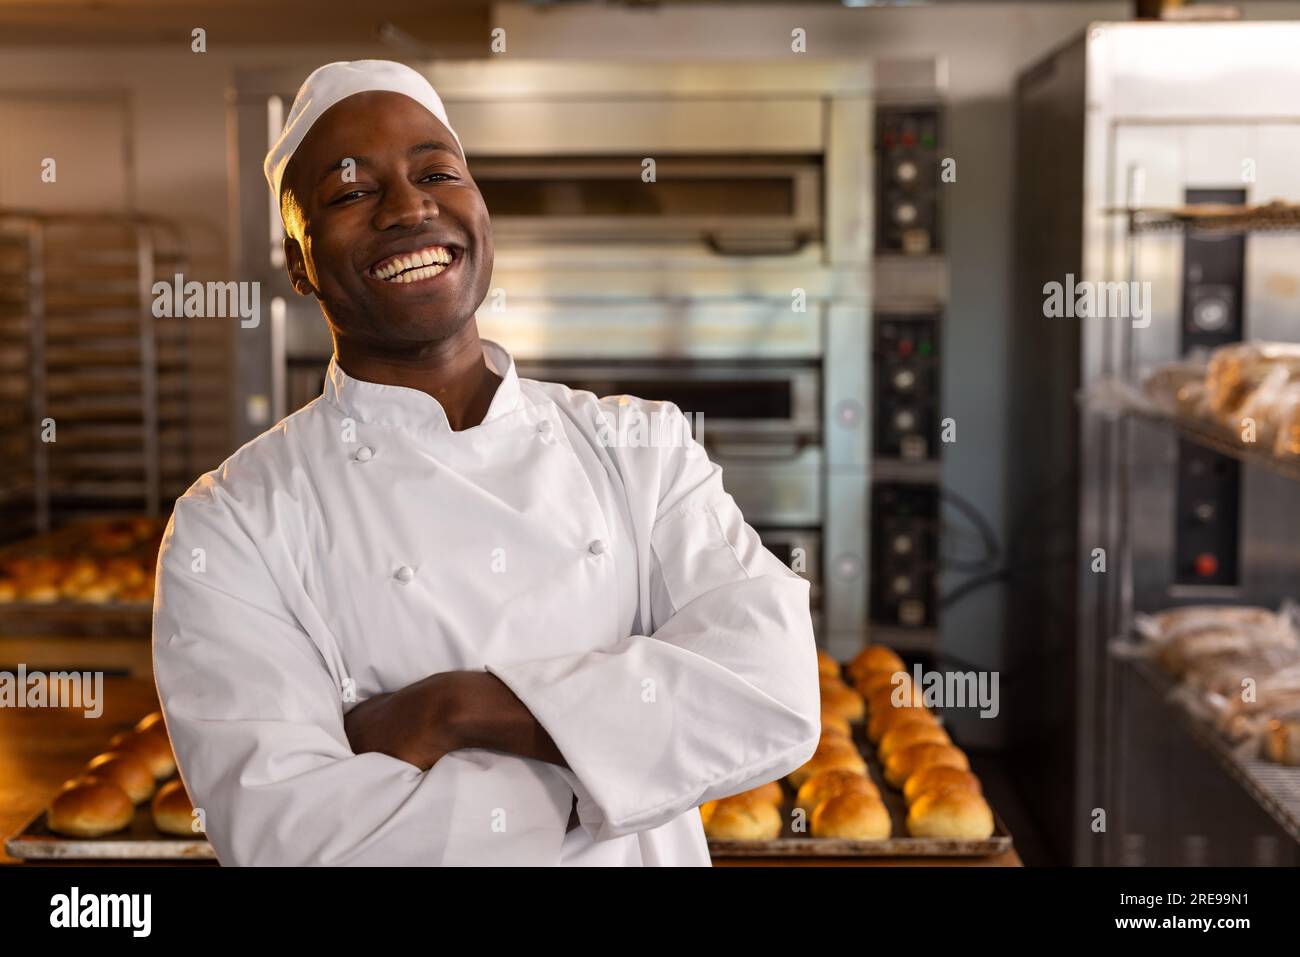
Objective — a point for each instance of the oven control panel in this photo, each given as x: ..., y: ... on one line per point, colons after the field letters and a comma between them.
x: 908, y: 179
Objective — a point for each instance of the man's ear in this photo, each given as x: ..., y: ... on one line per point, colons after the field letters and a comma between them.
x: 297, y: 267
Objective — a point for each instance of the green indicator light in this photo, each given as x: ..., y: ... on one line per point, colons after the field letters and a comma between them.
x: 924, y: 348
x: 927, y: 139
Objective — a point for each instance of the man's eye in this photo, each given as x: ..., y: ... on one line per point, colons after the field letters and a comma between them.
x: 445, y: 176
x: 347, y: 196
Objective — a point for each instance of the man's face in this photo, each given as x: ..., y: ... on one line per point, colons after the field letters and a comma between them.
x: 412, y: 195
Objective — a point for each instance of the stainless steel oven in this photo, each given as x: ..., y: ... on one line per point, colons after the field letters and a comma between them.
x: 696, y: 232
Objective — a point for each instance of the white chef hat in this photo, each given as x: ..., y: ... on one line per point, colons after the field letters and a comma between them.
x: 333, y: 82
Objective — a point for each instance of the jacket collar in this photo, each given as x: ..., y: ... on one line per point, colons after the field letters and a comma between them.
x: 378, y: 404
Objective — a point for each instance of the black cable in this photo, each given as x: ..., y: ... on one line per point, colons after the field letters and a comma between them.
x: 992, y: 549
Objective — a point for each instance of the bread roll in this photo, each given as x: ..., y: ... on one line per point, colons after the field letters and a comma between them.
x: 906, y: 735
x: 172, y: 811
x: 903, y: 764
x: 91, y: 807
x: 152, y: 747
x: 150, y: 720
x: 828, y: 761
x: 834, y: 724
x: 841, y: 700
x: 882, y: 721
x: 870, y: 683
x: 770, y: 792
x: 826, y: 665
x: 956, y: 815
x: 905, y: 695
x: 940, y: 778
x: 853, y: 816
x: 743, y: 819
x: 827, y: 784
x: 706, y: 812
x: 874, y: 658
x: 125, y: 770
x: 1282, y: 742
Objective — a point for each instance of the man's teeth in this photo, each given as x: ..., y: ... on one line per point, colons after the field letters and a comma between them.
x: 421, y: 264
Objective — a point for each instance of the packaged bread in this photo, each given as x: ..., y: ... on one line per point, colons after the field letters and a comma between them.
x: 1236, y: 374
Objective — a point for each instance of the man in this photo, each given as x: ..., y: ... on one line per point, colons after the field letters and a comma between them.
x: 442, y: 615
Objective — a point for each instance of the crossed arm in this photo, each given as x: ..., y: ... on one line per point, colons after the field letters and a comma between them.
x: 445, y: 712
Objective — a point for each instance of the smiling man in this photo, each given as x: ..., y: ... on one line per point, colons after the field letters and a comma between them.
x: 436, y: 616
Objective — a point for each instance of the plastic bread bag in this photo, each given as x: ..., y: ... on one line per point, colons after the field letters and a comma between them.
x: 1163, y: 625
x: 1286, y: 423
x: 1177, y: 388
x: 1236, y: 370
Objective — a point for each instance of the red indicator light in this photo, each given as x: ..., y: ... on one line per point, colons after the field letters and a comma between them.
x: 1206, y: 565
x: 905, y: 347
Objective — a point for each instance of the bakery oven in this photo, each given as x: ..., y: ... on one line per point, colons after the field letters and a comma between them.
x: 696, y: 233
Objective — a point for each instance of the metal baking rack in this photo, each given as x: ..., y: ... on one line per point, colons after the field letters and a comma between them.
x: 83, y: 348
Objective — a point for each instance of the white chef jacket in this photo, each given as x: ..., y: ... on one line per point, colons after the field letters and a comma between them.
x: 361, y: 544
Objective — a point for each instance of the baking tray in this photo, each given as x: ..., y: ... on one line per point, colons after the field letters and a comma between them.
x: 140, y: 841
x: 790, y: 844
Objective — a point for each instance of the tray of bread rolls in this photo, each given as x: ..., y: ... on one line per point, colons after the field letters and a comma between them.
x: 126, y: 804
x: 88, y: 576
x: 885, y: 781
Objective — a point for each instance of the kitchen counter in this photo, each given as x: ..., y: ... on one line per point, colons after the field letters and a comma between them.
x: 40, y: 748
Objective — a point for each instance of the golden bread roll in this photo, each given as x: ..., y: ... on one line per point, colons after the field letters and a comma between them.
x: 870, y: 684
x: 906, y: 735
x: 827, y: 784
x: 1282, y: 742
x: 91, y: 807
x: 150, y: 720
x: 903, y: 764
x: 882, y: 721
x: 956, y: 815
x: 828, y: 761
x: 874, y: 658
x: 839, y: 699
x: 905, y: 695
x: 834, y: 724
x: 940, y: 778
x: 743, y: 820
x: 152, y: 747
x: 706, y: 811
x: 172, y: 811
x: 826, y: 665
x: 834, y: 743
x: 853, y: 816
x: 127, y: 771
x: 770, y: 792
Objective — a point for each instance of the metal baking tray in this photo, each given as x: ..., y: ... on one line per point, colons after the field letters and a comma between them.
x: 140, y: 841
x: 790, y: 844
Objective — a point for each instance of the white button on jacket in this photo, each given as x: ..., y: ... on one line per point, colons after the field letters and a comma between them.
x: 677, y: 667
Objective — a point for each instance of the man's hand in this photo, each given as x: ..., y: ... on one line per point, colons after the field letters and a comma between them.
x: 448, y: 711
x: 413, y: 725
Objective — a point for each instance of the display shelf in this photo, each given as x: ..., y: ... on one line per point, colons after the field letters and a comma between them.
x: 1274, y: 787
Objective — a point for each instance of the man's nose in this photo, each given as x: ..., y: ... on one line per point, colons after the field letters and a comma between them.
x: 404, y: 204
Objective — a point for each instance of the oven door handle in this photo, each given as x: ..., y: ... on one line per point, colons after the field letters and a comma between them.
x: 788, y: 448
x: 756, y: 246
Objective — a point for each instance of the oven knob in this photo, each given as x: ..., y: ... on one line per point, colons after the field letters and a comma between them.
x: 905, y: 214
x: 902, y: 585
x: 1210, y: 314
x: 904, y: 420
x: 902, y: 544
x: 1205, y: 512
x: 904, y: 379
x: 906, y: 172
x: 911, y: 612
